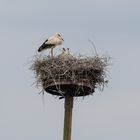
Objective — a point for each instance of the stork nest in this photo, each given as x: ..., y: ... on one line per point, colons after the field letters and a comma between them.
x: 89, y: 71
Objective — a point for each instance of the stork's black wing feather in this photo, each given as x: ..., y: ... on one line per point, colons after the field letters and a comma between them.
x: 45, y: 46
x: 45, y: 41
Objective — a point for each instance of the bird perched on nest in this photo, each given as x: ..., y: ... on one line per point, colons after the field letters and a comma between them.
x: 51, y: 43
x: 68, y: 50
x: 65, y: 54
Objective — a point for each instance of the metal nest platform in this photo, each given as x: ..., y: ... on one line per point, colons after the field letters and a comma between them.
x: 71, y: 88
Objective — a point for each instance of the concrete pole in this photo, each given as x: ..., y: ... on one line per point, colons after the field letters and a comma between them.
x: 68, y: 117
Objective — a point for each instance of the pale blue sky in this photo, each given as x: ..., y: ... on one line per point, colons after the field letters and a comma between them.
x: 113, y: 25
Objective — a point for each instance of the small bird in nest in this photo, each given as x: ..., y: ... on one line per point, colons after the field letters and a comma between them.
x: 51, y: 43
x: 63, y: 53
x: 69, y: 55
x: 68, y: 50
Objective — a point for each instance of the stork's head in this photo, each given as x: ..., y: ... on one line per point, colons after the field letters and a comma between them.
x: 59, y: 36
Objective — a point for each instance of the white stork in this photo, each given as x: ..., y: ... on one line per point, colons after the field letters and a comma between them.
x: 51, y: 43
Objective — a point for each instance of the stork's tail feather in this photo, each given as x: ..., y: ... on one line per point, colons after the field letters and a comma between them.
x: 42, y: 47
x: 39, y: 50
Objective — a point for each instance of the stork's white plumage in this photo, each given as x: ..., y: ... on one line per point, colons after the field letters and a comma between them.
x: 51, y: 43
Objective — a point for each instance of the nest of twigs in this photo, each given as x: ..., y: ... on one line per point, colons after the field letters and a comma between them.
x: 76, y: 75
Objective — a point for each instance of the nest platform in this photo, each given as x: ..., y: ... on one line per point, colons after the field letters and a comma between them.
x: 76, y: 76
x: 71, y: 88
